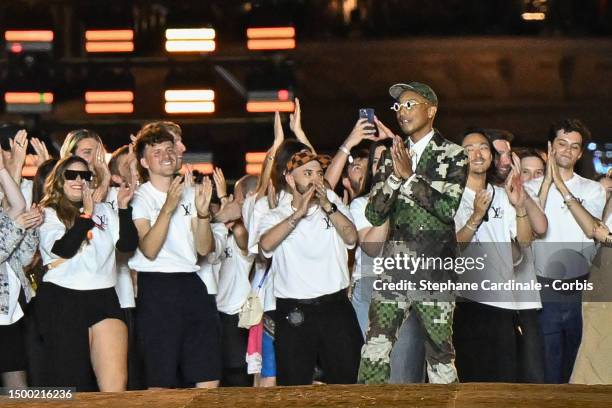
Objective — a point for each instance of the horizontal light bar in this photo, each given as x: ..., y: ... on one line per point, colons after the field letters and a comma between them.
x: 111, y: 107
x: 533, y: 16
x: 255, y: 157
x: 270, y: 32
x: 29, y: 97
x: 190, y: 34
x: 270, y: 106
x: 109, y: 96
x: 253, y: 169
x: 109, y: 46
x: 271, y: 44
x: 176, y: 95
x: 109, y: 35
x: 28, y: 35
x: 190, y: 107
x: 205, y: 168
x: 190, y: 46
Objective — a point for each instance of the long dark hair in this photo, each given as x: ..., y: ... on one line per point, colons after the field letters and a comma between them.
x: 491, y: 177
x: 54, y: 192
x: 284, y: 152
x: 42, y: 172
x: 369, y: 177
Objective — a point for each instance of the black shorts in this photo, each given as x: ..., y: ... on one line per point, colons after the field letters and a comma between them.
x: 178, y: 330
x: 12, y: 342
x: 63, y: 317
x: 234, y: 341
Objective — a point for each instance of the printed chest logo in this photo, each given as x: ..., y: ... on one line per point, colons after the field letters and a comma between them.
x: 186, y: 208
x: 228, y: 252
x: 100, y: 221
x: 111, y: 203
x: 497, y: 212
x: 328, y: 223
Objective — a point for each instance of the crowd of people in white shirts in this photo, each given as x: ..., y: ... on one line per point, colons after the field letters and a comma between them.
x: 142, y: 273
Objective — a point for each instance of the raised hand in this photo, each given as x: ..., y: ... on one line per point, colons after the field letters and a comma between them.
x: 19, y: 146
x: 133, y: 166
x: 383, y: 131
x: 220, y: 184
x: 548, y: 175
x: 302, y: 201
x: 272, y: 200
x: 203, y: 195
x: 402, y: 163
x: 279, y: 134
x: 188, y: 179
x: 175, y: 193
x: 321, y: 194
x: 42, y: 154
x: 125, y: 194
x: 481, y: 203
x: 30, y: 219
x: 88, y: 201
x: 514, y: 186
x: 362, y: 130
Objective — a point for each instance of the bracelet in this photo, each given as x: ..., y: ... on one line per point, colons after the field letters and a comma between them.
x: 568, y: 197
x: 521, y: 216
x: 344, y: 149
x: 204, y: 217
x: 470, y: 227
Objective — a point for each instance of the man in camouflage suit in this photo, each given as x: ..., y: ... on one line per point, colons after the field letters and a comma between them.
x: 419, y: 191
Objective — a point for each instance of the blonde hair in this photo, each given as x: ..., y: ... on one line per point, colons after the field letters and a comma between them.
x: 73, y: 138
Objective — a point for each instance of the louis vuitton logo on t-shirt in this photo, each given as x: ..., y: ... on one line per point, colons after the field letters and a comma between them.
x: 328, y: 223
x: 228, y: 252
x: 100, y: 221
x: 497, y: 212
x: 186, y: 208
x: 111, y: 203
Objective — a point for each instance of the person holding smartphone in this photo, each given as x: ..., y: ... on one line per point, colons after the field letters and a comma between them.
x: 83, y: 335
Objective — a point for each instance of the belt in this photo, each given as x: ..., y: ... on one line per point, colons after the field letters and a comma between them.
x: 332, y: 297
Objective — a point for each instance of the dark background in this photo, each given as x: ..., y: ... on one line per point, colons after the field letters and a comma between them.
x: 489, y: 66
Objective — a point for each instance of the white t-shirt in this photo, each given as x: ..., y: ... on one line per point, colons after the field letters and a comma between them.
x: 312, y: 260
x: 492, y: 242
x: 234, y: 285
x: 93, y: 266
x: 211, y: 263
x: 124, y: 286
x: 362, y: 260
x: 565, y: 251
x: 178, y: 253
x: 259, y: 209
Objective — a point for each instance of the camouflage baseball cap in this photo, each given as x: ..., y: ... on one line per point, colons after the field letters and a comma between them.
x: 422, y: 89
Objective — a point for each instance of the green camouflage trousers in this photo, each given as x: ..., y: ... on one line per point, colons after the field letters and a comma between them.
x: 386, y: 318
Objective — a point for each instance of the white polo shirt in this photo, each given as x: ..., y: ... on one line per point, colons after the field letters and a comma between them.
x: 234, y: 285
x: 565, y: 252
x: 178, y: 253
x: 93, y: 266
x: 312, y: 260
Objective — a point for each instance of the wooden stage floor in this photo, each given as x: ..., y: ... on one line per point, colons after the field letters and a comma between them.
x: 388, y: 396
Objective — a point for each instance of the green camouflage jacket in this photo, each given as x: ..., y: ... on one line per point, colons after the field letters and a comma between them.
x: 422, y: 210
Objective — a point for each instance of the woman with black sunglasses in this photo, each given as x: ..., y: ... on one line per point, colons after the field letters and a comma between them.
x: 79, y: 317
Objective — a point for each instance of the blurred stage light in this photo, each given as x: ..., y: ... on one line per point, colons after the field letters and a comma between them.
x: 18, y: 41
x: 28, y: 102
x: 270, y: 89
x: 254, y: 162
x: 110, y: 92
x: 189, y: 92
x: 534, y: 10
x: 109, y: 41
x: 270, y: 38
x: 186, y: 40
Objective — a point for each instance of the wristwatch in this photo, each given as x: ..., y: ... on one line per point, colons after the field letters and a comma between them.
x: 332, y: 210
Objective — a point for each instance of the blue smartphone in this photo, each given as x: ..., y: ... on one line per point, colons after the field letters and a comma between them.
x: 367, y: 113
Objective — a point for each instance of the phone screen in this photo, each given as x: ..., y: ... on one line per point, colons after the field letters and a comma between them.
x: 367, y: 113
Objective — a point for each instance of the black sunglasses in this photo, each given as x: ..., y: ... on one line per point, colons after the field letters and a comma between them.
x: 73, y: 174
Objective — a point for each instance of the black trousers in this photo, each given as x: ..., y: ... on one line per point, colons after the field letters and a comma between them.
x: 234, y: 341
x: 322, y: 331
x: 497, y: 345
